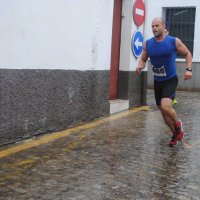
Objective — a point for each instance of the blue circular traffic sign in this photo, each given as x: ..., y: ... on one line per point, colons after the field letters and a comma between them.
x: 136, y: 43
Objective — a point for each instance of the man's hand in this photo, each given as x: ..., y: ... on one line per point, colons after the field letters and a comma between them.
x: 188, y: 75
x: 139, y: 69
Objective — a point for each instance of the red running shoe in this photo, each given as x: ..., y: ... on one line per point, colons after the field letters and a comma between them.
x: 173, y: 141
x: 179, y: 130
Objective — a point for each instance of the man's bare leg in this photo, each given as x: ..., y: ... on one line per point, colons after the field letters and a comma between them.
x: 165, y: 109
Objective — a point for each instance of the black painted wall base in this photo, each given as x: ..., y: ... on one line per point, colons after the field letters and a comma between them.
x: 33, y: 102
x: 133, y: 87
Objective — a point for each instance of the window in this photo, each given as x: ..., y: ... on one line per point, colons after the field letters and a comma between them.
x: 180, y: 22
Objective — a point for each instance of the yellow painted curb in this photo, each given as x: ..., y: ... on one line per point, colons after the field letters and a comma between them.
x: 52, y: 137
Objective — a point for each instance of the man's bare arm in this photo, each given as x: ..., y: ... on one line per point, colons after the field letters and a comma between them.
x: 183, y: 50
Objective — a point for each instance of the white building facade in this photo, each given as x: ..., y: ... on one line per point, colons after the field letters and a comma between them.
x: 56, y: 61
x: 54, y: 65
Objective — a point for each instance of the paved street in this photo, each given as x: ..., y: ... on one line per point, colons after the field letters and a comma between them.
x: 122, y: 157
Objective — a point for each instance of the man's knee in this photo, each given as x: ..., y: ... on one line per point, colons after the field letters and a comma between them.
x: 166, y: 108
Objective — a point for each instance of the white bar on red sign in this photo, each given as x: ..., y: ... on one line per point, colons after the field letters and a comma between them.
x: 139, y: 12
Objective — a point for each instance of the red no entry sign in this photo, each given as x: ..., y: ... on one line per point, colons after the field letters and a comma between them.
x: 139, y: 12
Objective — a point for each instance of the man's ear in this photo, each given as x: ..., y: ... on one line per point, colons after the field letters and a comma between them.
x: 164, y: 26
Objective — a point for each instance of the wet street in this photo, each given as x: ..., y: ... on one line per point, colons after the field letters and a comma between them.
x: 122, y: 157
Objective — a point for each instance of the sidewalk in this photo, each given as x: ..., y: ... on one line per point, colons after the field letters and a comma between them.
x: 122, y: 157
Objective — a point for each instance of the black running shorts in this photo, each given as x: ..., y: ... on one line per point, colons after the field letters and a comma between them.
x: 165, y: 89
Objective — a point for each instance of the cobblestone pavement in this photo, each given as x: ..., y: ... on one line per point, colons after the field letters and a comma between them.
x: 126, y: 158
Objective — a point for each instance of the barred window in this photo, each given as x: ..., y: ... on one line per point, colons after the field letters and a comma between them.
x: 180, y: 22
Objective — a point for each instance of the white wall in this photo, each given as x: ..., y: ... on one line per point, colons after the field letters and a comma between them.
x: 128, y: 62
x: 154, y: 9
x: 49, y: 34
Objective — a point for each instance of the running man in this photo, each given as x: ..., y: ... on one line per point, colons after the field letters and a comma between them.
x: 162, y: 49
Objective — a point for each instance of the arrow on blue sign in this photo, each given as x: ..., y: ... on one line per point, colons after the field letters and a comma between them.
x: 136, y: 43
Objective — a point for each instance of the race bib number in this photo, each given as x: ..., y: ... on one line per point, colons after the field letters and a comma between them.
x: 159, y: 71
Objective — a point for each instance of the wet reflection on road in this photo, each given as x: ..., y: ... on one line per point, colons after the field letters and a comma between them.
x: 126, y: 158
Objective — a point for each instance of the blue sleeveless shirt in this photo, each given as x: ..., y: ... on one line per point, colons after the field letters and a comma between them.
x: 163, y: 57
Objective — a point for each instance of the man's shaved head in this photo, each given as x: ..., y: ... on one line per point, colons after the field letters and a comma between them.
x: 158, y: 27
x: 158, y: 19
